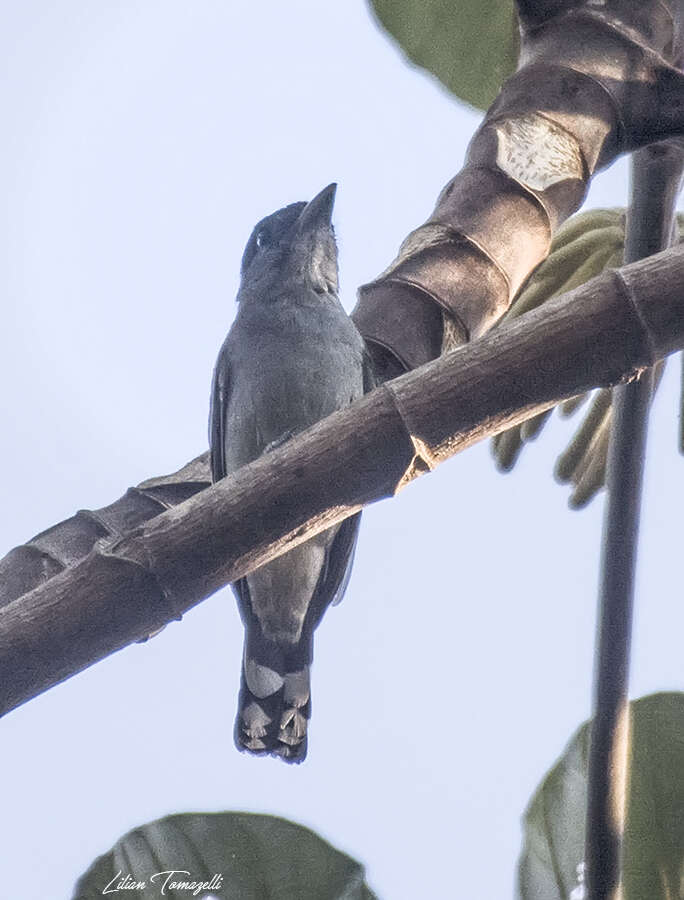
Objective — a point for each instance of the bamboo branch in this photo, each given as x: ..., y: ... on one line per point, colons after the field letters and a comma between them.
x: 609, y: 329
x: 594, y: 81
x: 68, y: 542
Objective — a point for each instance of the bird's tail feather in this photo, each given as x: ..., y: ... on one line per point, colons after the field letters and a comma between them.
x: 274, y: 705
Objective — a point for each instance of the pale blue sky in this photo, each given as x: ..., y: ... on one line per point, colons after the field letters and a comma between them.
x: 143, y: 140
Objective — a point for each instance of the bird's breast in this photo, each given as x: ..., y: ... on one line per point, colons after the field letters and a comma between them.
x: 294, y: 366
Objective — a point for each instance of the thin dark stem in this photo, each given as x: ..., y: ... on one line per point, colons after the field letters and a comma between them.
x: 656, y: 174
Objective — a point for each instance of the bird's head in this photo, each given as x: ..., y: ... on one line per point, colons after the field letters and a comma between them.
x: 293, y: 246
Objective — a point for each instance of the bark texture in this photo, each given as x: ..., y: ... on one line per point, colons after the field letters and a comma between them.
x: 594, y: 81
x: 608, y: 330
x: 67, y: 543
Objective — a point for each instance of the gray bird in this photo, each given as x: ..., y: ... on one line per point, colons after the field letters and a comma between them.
x: 292, y: 357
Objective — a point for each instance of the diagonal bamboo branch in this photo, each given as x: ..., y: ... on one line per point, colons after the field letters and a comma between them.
x: 595, y: 80
x: 67, y: 543
x: 608, y: 330
x: 471, y: 254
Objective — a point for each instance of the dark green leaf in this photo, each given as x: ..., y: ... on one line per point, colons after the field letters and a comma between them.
x: 248, y: 856
x: 550, y: 865
x: 470, y: 46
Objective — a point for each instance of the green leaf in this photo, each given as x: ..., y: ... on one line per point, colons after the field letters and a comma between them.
x: 470, y: 46
x: 582, y: 248
x: 248, y: 856
x: 550, y: 865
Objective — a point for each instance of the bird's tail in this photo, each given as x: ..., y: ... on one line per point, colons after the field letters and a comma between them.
x: 274, y: 705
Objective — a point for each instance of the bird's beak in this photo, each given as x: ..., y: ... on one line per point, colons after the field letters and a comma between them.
x: 318, y: 211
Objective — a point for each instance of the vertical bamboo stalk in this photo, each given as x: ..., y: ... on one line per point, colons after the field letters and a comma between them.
x: 656, y: 176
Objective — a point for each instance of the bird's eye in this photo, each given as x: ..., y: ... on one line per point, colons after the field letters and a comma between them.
x: 262, y: 238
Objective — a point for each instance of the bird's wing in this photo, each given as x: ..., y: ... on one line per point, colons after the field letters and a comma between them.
x: 334, y: 576
x: 337, y: 572
x: 220, y: 390
x: 340, y: 559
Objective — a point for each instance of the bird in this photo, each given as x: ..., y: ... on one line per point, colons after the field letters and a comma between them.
x: 292, y: 357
